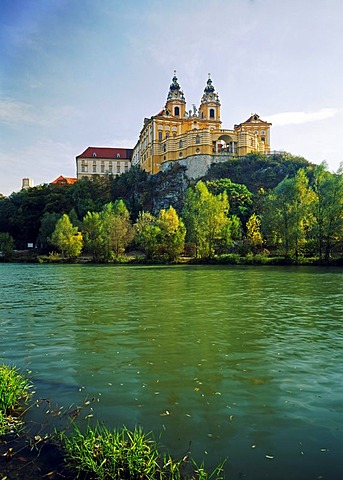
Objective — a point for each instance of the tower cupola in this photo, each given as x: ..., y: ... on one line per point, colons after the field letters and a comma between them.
x: 176, y: 103
x: 210, y: 103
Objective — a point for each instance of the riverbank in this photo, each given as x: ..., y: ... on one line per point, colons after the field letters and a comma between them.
x: 137, y: 258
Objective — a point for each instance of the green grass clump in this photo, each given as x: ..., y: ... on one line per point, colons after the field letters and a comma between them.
x: 123, y: 454
x: 14, y: 388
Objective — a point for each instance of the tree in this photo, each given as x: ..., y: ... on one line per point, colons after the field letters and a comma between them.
x: 328, y: 210
x: 147, y: 234
x: 117, y: 229
x: 206, y: 220
x: 239, y: 197
x: 6, y: 245
x: 172, y: 233
x: 66, y: 237
x: 288, y: 213
x: 254, y: 236
x: 92, y: 229
x: 48, y: 223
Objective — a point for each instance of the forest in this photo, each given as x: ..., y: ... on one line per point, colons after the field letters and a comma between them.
x: 259, y: 208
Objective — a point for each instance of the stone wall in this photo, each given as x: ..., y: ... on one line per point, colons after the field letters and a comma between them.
x: 196, y: 165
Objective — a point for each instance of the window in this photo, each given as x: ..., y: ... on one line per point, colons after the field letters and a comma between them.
x: 118, y: 168
x: 84, y: 168
x: 118, y: 155
x: 263, y: 139
x: 211, y: 112
x: 126, y: 168
x: 110, y: 167
x: 94, y: 154
x: 180, y: 144
x: 94, y: 167
x: 102, y: 168
x: 197, y: 139
x: 160, y: 136
x: 177, y: 112
x: 167, y: 134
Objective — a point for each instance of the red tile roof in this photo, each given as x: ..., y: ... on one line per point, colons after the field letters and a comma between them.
x: 64, y: 181
x: 106, y: 152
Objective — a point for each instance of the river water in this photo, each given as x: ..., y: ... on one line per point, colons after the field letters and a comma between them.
x: 236, y: 363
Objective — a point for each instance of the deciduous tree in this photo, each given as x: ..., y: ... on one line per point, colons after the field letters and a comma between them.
x: 67, y: 238
x: 172, y: 233
x: 206, y: 219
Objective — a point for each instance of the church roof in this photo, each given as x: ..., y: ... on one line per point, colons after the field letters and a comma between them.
x: 107, y: 152
x: 254, y: 118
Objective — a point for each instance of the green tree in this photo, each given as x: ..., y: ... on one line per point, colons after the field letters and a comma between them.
x: 254, y: 236
x: 93, y: 237
x: 6, y: 245
x: 67, y: 238
x: 147, y: 234
x: 288, y: 214
x: 172, y: 233
x: 117, y: 229
x: 206, y: 220
x: 239, y: 197
x: 328, y: 210
x: 48, y: 223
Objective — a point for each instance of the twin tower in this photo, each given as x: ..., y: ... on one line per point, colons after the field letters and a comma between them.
x: 175, y: 134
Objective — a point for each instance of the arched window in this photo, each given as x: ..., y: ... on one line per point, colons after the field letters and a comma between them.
x: 197, y: 139
x: 177, y: 111
x: 180, y: 144
x: 212, y: 113
x: 118, y: 155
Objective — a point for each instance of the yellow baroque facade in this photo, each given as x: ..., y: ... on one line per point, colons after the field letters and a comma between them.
x: 175, y: 133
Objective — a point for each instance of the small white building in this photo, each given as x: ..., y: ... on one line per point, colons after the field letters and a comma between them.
x: 103, y: 161
x: 27, y: 183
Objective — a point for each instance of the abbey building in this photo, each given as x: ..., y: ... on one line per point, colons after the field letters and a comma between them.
x: 176, y: 133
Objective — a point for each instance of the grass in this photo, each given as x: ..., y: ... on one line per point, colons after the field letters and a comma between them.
x: 14, y: 389
x: 124, y: 454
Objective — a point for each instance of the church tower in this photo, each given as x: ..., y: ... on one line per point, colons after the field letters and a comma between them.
x: 210, y: 105
x: 176, y: 103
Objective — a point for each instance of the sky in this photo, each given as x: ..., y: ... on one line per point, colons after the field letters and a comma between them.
x: 79, y: 73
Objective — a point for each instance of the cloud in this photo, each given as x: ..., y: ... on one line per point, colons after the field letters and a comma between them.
x: 14, y: 112
x: 296, y: 118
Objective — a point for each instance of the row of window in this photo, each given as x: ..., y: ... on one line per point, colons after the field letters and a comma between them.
x: 177, y: 112
x: 84, y: 168
x: 197, y: 139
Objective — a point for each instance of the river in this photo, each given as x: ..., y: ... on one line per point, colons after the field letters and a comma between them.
x: 237, y: 363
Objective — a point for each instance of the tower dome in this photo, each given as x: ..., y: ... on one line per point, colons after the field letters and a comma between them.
x: 175, y: 91
x: 210, y: 94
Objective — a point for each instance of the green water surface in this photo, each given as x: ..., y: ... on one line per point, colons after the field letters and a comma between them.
x: 236, y: 363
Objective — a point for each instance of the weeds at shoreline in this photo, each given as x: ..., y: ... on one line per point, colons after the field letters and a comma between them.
x: 125, y: 454
x: 14, y: 389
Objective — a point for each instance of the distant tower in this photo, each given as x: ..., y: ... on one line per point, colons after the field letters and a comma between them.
x: 27, y: 183
x: 176, y: 103
x: 210, y: 105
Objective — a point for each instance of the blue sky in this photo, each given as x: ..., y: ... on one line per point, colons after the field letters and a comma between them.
x: 79, y: 73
